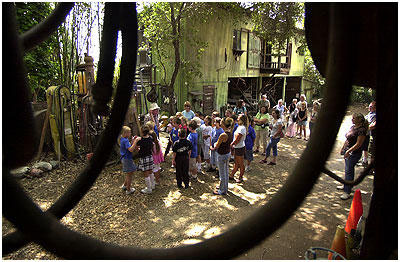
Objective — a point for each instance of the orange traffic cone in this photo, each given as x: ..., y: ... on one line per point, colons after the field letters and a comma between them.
x: 338, y: 243
x: 356, y: 211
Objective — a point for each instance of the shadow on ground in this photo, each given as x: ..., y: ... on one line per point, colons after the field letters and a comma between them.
x: 171, y: 217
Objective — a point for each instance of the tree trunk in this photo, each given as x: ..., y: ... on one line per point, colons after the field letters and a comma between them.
x: 59, y: 40
x: 176, y: 44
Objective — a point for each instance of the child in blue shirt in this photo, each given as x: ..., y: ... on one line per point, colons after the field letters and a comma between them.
x: 249, y: 143
x: 173, y: 135
x: 193, y: 138
x: 128, y: 167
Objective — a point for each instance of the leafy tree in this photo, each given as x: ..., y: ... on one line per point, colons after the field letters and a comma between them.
x: 165, y: 25
x: 53, y: 62
x: 41, y: 62
x: 277, y: 22
x: 74, y: 38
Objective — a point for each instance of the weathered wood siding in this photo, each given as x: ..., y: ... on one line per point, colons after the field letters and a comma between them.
x: 218, y: 62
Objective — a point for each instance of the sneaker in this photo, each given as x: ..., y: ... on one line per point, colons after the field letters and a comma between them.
x: 123, y: 187
x: 341, y: 187
x: 216, y: 192
x: 146, y: 190
x: 247, y: 168
x: 344, y: 196
x: 128, y: 192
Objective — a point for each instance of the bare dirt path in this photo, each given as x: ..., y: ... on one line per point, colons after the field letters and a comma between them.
x: 170, y: 217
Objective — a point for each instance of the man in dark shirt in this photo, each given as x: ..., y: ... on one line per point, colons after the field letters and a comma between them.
x: 182, y: 149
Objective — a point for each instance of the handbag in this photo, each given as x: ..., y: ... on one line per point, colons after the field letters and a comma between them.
x: 281, y: 135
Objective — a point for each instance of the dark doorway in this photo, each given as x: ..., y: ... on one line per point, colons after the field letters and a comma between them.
x: 273, y: 88
x: 293, y: 89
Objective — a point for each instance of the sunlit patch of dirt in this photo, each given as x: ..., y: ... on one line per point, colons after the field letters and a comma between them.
x: 172, y: 217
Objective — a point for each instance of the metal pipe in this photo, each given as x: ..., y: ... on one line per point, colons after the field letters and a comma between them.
x: 102, y: 89
x: 86, y: 179
x: 359, y: 179
x: 44, y: 29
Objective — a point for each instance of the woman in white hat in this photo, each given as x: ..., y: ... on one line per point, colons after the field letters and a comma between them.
x: 153, y: 116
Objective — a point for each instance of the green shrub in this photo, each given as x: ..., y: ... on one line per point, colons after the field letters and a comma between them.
x: 362, y: 95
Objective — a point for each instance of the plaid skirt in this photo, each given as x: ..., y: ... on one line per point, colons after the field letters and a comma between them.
x: 146, y: 163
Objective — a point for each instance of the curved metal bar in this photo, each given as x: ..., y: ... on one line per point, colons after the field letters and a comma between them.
x: 86, y: 179
x: 102, y: 89
x: 43, y: 30
x: 18, y: 116
x: 69, y: 244
x: 359, y: 179
x: 312, y: 252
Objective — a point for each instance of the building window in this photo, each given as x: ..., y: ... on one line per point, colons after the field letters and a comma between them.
x: 237, y: 37
x: 253, y: 51
x: 280, y: 62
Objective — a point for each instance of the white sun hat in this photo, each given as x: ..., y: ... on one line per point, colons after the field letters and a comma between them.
x: 154, y: 106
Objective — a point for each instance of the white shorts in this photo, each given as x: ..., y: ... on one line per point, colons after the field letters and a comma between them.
x: 156, y: 168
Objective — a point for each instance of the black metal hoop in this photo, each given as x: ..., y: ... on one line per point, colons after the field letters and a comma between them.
x: 45, y: 229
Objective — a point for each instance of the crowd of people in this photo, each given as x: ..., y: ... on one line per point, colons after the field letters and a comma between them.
x: 211, y: 142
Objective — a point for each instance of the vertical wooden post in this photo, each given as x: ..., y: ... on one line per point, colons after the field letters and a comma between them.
x: 46, y: 121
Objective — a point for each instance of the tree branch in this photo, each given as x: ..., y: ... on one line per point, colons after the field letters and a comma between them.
x: 161, y: 62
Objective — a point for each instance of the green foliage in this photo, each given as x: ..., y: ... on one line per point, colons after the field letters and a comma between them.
x: 41, y: 62
x: 277, y: 22
x: 53, y: 61
x: 310, y: 71
x: 362, y: 95
x: 155, y: 20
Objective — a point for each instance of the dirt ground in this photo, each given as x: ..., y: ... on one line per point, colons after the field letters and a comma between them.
x: 170, y: 217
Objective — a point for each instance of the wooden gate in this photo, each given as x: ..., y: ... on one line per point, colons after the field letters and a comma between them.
x: 208, y: 99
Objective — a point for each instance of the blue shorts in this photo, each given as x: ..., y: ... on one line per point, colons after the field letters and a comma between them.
x: 248, y: 155
x: 128, y: 165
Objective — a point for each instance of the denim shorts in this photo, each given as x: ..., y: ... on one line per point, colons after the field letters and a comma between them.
x: 128, y: 165
x: 240, y: 151
x: 248, y: 155
x: 302, y: 123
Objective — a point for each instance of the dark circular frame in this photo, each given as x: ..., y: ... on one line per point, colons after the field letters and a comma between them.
x: 45, y: 229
